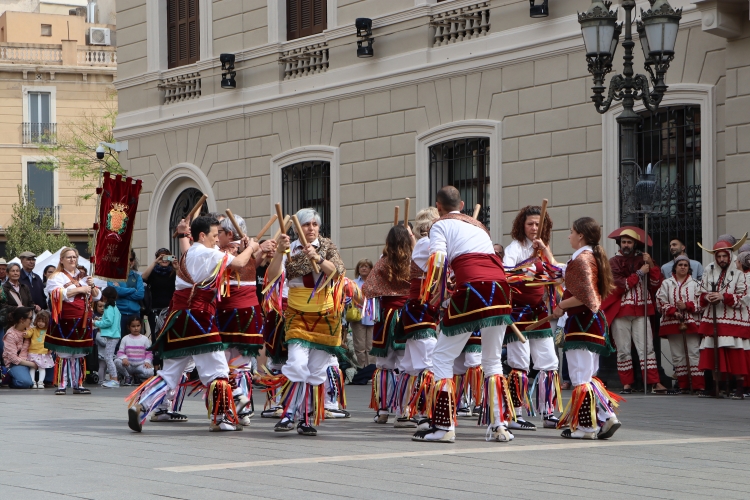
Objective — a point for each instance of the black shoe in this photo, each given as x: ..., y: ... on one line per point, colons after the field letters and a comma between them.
x: 134, y: 418
x: 284, y: 425
x: 521, y: 425
x: 306, y: 429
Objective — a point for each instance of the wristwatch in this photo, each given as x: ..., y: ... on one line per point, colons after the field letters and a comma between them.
x: 320, y: 260
x: 183, y: 235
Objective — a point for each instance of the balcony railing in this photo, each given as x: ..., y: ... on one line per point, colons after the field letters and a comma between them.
x: 28, y: 53
x: 98, y: 57
x: 53, y: 212
x: 39, y: 133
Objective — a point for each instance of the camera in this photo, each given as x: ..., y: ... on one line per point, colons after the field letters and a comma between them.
x: 100, y: 152
x: 168, y: 258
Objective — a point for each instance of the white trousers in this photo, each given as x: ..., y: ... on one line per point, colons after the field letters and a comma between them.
x: 466, y: 360
x: 210, y: 365
x: 306, y: 365
x: 418, y: 355
x: 542, y: 351
x: 627, y: 328
x: 390, y: 362
x: 448, y: 349
x: 677, y: 347
x: 582, y: 367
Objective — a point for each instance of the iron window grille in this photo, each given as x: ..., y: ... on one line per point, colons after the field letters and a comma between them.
x: 672, y: 136
x: 308, y: 185
x: 184, y: 203
x: 464, y: 164
x: 39, y: 133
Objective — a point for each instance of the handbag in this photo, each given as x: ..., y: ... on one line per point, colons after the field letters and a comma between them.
x: 353, y: 313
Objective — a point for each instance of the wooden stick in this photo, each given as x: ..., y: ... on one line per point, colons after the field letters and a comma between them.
x: 407, y: 202
x: 536, y: 325
x: 542, y: 218
x: 236, y: 226
x: 279, y: 214
x: 277, y: 236
x: 191, y: 214
x: 477, y: 208
x: 395, y: 215
x: 303, y: 241
x: 266, y: 227
x: 518, y: 333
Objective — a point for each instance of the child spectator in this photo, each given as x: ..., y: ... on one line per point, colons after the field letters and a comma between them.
x: 37, y: 353
x: 109, y: 328
x: 134, y: 360
x: 16, y: 348
x: 101, y: 342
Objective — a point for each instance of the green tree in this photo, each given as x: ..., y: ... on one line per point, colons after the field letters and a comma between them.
x: 31, y: 230
x: 74, y: 149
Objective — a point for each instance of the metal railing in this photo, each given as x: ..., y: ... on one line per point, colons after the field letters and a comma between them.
x: 53, y: 212
x: 39, y: 133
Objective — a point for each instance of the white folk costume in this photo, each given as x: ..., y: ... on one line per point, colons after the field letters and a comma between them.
x: 312, y: 330
x: 418, y: 330
x: 732, y: 316
x: 531, y: 303
x: 390, y: 295
x: 191, y: 334
x: 480, y: 301
x: 625, y: 309
x: 680, y: 327
x: 591, y: 406
x: 70, y: 333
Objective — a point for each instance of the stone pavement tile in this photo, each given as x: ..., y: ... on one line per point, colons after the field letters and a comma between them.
x: 17, y: 493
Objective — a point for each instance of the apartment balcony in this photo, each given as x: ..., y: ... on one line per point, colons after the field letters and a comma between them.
x: 65, y: 54
x: 53, y: 212
x: 39, y: 133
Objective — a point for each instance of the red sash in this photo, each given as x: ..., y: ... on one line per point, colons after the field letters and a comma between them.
x: 471, y: 267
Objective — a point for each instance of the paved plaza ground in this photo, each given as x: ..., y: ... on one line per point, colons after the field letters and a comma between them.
x: 677, y: 447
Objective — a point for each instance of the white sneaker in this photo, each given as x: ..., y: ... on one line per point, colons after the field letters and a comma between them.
x: 111, y: 384
x: 39, y: 385
x: 609, y: 428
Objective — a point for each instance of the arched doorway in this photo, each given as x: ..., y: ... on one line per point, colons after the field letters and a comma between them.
x: 185, y: 201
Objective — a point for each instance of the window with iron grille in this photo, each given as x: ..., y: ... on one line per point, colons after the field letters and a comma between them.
x: 308, y: 185
x: 182, y: 205
x: 305, y: 18
x: 183, y: 32
x: 671, y: 141
x: 463, y: 163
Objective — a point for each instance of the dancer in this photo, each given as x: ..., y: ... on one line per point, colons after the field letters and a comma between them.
x: 388, y: 282
x: 190, y: 332
x: 527, y: 260
x: 312, y: 321
x: 481, y: 301
x: 678, y: 302
x: 70, y: 334
x: 588, y: 279
x: 725, y: 316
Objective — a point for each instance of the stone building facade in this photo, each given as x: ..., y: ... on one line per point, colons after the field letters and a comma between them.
x: 479, y: 80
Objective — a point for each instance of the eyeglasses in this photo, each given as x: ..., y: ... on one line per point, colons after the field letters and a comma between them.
x: 71, y: 257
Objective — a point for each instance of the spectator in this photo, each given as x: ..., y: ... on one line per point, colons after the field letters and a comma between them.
x: 134, y: 359
x: 3, y: 271
x: 677, y: 248
x: 17, y: 293
x: 37, y: 352
x: 16, y: 348
x: 109, y: 329
x: 84, y: 270
x: 47, y: 273
x: 499, y: 250
x: 129, y: 294
x: 362, y: 330
x: 101, y: 342
x: 32, y: 280
x: 3, y: 319
x: 160, y: 277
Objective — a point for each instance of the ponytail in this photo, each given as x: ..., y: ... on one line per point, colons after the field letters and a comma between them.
x: 605, y: 283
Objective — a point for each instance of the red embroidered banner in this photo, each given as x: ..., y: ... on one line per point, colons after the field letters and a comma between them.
x: 114, y: 232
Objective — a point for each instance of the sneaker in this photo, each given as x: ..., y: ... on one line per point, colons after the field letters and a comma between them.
x: 39, y: 385
x: 405, y: 423
x: 223, y: 424
x: 306, y: 429
x: 381, y: 418
x: 500, y: 434
x: 60, y: 392
x: 134, y: 418
x: 336, y: 413
x: 128, y: 381
x: 435, y: 435
x: 521, y: 425
x: 465, y: 412
x: 284, y: 425
x: 609, y: 428
x: 164, y: 415
x: 111, y: 384
x: 550, y: 422
x: 274, y: 412
x: 578, y: 434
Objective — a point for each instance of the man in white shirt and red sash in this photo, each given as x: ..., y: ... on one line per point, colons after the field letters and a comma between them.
x: 480, y: 301
x: 191, y: 333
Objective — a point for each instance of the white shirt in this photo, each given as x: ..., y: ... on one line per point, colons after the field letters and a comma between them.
x: 464, y: 238
x: 61, y: 281
x: 200, y: 263
x: 517, y: 252
x: 421, y: 253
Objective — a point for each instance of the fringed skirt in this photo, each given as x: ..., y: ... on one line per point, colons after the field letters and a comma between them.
x: 190, y: 327
x: 240, y: 320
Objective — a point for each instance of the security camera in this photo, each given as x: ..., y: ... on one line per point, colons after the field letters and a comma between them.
x: 100, y: 152
x: 364, y: 26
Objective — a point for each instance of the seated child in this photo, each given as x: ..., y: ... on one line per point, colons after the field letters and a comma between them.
x: 134, y: 360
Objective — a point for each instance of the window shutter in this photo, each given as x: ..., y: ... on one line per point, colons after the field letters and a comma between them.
x: 292, y: 19
x: 319, y: 14
x: 305, y: 18
x: 183, y: 32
